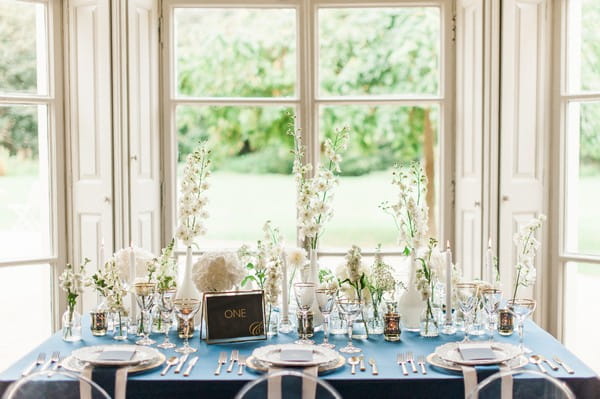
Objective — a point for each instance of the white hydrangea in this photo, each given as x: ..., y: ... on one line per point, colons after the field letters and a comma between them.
x: 143, y: 259
x: 217, y: 271
x: 193, y: 200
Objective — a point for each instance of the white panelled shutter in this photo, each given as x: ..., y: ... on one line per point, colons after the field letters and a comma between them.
x: 143, y: 117
x: 90, y: 131
x: 524, y: 133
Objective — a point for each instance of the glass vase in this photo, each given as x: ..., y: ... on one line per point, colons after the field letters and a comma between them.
x: 71, y: 326
x: 375, y: 319
x: 120, y: 326
x: 429, y: 324
x: 272, y: 321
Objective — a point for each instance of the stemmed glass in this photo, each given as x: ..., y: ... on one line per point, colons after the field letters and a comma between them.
x: 326, y: 300
x: 350, y: 309
x: 491, y: 302
x: 521, y: 309
x: 144, y: 295
x: 467, y: 298
x: 186, y: 309
x: 165, y: 312
x: 305, y: 296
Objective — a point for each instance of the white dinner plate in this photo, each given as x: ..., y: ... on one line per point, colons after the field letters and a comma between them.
x: 271, y: 354
x: 436, y: 361
x: 503, y: 351
x: 91, y: 354
x: 73, y: 364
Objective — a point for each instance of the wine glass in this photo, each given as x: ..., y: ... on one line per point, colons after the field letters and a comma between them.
x: 491, y: 302
x: 144, y: 295
x: 165, y: 312
x: 350, y: 309
x: 305, y: 296
x: 186, y: 309
x: 521, y: 309
x: 467, y: 299
x: 326, y: 300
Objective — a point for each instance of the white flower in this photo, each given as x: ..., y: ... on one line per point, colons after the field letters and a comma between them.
x: 217, y: 271
x: 142, y: 259
x: 296, y: 257
x: 527, y: 247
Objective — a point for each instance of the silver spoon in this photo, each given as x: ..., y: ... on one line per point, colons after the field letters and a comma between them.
x: 354, y: 360
x: 537, y: 360
x: 172, y: 361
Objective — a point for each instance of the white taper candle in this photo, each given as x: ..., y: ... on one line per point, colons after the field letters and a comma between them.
x: 448, y: 284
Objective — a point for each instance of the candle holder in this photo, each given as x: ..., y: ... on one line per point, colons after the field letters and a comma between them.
x: 391, y: 323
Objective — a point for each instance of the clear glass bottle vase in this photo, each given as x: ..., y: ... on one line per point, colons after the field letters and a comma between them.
x: 71, y: 326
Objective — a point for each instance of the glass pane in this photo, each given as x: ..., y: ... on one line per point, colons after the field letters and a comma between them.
x: 252, y: 163
x: 584, y: 45
x: 380, y: 136
x: 583, y: 178
x: 581, y: 302
x: 24, y: 193
x: 28, y: 320
x: 23, y: 44
x: 235, y: 52
x: 379, y: 51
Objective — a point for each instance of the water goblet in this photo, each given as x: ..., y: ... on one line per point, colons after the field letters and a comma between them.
x: 350, y: 309
x: 144, y: 295
x: 491, y: 302
x: 521, y: 309
x: 186, y: 309
x: 326, y: 300
x: 467, y: 298
x: 305, y: 296
x: 165, y: 312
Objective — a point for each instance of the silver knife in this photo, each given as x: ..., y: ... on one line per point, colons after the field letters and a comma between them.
x: 234, y: 358
x: 241, y: 364
x: 191, y: 365
x: 182, y: 360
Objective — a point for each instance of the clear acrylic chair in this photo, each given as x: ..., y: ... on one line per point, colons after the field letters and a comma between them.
x: 292, y: 385
x: 534, y: 384
x: 58, y: 384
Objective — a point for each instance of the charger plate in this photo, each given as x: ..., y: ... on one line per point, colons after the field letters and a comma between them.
x: 436, y: 361
x: 271, y: 354
x: 71, y: 363
x: 91, y: 354
x: 255, y: 365
x: 503, y: 351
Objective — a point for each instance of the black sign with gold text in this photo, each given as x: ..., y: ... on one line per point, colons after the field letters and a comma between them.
x: 234, y: 316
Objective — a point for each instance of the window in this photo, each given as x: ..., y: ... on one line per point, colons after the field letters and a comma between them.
x: 234, y: 72
x: 29, y: 113
x: 580, y: 141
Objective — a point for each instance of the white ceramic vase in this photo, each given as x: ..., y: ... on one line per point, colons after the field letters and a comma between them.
x: 411, y: 304
x: 186, y: 288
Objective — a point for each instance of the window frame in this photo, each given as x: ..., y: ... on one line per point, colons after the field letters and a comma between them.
x: 307, y: 100
x: 53, y: 100
x: 564, y: 95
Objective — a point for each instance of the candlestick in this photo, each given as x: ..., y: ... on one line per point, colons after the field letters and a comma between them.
x: 285, y: 326
x: 448, y: 322
x: 490, y: 262
x: 132, y: 280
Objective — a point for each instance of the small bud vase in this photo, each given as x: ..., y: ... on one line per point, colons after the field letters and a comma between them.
x: 71, y: 326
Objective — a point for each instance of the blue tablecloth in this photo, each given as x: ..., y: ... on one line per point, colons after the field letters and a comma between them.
x: 389, y: 383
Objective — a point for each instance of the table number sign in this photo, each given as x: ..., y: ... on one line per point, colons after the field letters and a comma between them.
x: 234, y: 316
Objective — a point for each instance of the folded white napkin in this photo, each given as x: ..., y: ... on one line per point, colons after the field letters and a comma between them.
x: 296, y: 355
x: 476, y: 351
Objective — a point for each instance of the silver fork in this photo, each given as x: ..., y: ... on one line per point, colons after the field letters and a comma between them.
x: 241, y: 364
x: 222, y: 360
x: 51, y: 362
x: 40, y: 359
x: 421, y: 362
x: 410, y: 359
x: 235, y: 354
x: 401, y: 359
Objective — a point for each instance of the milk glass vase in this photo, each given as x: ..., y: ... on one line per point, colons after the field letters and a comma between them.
x: 411, y: 303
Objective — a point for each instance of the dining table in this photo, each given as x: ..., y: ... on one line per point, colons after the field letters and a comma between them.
x: 390, y: 382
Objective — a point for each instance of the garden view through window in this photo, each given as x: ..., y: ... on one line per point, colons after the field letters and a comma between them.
x: 238, y: 75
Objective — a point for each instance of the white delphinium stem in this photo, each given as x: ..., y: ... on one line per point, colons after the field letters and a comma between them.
x: 527, y: 247
x: 193, y: 201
